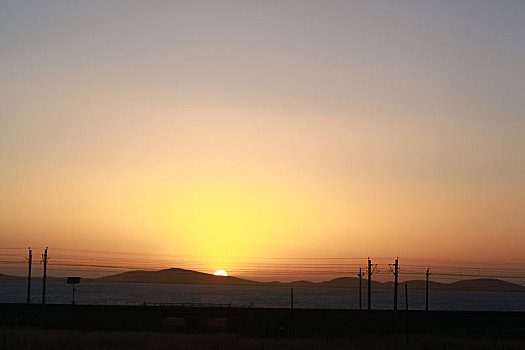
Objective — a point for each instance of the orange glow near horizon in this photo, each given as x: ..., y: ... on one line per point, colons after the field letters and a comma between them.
x: 233, y: 136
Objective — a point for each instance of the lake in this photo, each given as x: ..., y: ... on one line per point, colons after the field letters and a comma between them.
x: 248, y: 296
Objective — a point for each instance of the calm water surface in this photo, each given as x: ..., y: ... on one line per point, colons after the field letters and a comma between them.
x: 319, y: 298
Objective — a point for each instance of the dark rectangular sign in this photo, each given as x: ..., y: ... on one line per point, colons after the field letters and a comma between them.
x: 73, y: 280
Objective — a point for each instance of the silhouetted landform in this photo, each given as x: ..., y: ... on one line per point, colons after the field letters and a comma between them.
x: 182, y: 276
x: 34, y: 278
x: 482, y: 284
x: 8, y: 277
x: 174, y: 276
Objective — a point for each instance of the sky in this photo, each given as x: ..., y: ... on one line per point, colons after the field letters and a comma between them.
x: 225, y: 131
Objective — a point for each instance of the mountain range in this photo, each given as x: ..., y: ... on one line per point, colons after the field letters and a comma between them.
x: 182, y: 276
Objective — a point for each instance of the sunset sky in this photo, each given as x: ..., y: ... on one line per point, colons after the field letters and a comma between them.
x: 221, y: 131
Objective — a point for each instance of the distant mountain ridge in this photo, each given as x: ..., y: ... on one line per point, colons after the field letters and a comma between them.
x: 174, y: 276
x: 182, y: 276
x: 10, y: 278
x: 4, y: 277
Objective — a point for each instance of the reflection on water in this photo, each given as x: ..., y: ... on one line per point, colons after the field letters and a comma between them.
x: 329, y: 298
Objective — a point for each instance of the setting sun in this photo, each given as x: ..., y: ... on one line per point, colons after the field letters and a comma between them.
x: 220, y: 273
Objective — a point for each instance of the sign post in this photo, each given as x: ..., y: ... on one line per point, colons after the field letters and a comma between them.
x: 73, y: 281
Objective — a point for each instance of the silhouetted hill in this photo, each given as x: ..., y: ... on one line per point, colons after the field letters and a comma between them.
x: 289, y: 284
x: 33, y: 278
x: 486, y: 284
x: 8, y: 277
x: 174, y: 276
x: 481, y: 284
x: 415, y: 285
x: 300, y: 284
x: 348, y: 282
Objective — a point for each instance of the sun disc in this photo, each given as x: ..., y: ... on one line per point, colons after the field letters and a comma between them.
x: 220, y: 273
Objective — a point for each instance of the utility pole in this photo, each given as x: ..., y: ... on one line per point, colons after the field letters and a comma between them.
x: 370, y: 272
x: 426, y: 300
x: 360, y: 274
x: 395, y: 270
x: 291, y: 297
x: 30, y: 260
x: 369, y: 284
x: 44, y: 258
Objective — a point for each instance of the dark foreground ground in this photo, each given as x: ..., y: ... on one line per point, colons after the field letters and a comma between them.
x: 258, y: 321
x: 189, y: 327
x: 70, y: 339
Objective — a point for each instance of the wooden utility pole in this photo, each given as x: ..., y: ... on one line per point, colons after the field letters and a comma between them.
x: 369, y: 284
x: 426, y: 299
x: 396, y: 273
x: 29, y: 260
x: 291, y: 297
x: 44, y: 258
x: 360, y: 274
